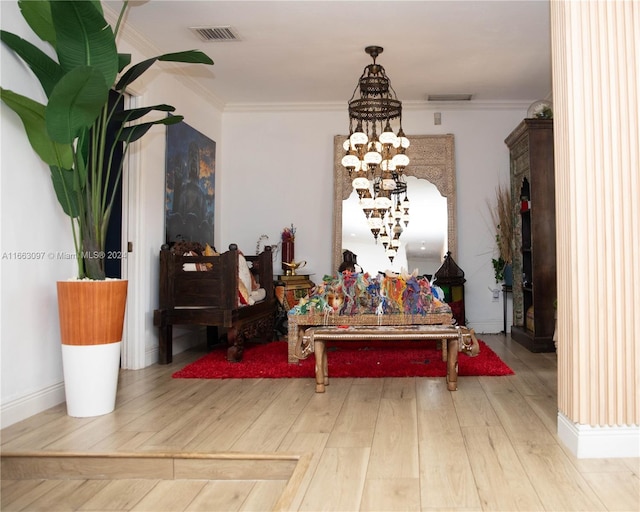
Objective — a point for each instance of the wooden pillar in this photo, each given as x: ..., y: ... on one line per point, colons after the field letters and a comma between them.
x: 596, y: 61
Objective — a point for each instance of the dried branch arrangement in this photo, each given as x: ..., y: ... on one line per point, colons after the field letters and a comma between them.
x: 502, y: 218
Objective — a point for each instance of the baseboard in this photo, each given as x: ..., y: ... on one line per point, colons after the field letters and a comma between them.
x: 184, y: 338
x: 608, y: 442
x: 486, y: 327
x: 151, y: 356
x: 34, y: 403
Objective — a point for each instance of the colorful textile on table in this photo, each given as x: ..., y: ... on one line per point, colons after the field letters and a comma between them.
x: 355, y: 293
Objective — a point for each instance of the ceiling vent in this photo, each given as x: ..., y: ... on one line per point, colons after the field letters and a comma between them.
x: 449, y: 97
x: 216, y: 34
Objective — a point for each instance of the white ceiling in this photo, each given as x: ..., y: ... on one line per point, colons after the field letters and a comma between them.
x: 313, y: 51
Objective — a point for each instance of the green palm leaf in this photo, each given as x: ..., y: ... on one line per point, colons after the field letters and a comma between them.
x: 83, y: 38
x: 38, y: 17
x: 133, y: 133
x: 47, y: 70
x: 126, y: 116
x: 189, y: 57
x: 65, y: 189
x: 32, y: 115
x: 75, y: 103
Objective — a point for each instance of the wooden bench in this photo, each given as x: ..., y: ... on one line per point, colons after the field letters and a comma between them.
x: 210, y: 298
x: 454, y: 339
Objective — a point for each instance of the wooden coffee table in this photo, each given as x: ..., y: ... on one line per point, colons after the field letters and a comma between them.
x: 299, y: 323
x: 454, y: 339
x: 308, y: 334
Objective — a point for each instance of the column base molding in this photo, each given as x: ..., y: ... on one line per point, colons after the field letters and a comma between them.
x: 599, y: 442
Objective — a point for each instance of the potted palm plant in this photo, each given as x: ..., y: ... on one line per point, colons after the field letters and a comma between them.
x: 502, y: 218
x: 69, y: 134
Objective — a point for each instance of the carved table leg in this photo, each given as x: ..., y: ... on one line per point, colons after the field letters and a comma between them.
x: 325, y: 367
x: 452, y: 364
x: 321, y: 365
x: 295, y: 336
x: 235, y: 351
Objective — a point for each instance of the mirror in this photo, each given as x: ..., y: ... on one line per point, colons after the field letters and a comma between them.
x: 432, y: 192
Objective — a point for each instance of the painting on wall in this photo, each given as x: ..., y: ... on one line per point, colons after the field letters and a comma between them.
x: 190, y: 168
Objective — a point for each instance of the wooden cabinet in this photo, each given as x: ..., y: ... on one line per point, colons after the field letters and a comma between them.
x: 534, y: 259
x: 296, y: 287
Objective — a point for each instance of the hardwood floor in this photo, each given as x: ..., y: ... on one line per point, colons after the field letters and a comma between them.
x: 366, y: 444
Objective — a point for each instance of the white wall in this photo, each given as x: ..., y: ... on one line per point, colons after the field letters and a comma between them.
x: 278, y: 170
x: 33, y: 223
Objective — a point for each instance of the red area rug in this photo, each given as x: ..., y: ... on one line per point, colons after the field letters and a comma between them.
x: 346, y: 359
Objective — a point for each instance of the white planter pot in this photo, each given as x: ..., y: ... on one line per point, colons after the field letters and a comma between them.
x: 91, y: 378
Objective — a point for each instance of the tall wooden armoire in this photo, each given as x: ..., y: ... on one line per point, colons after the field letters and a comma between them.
x: 534, y: 256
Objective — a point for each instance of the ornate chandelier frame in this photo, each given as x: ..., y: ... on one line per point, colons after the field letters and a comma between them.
x: 375, y: 156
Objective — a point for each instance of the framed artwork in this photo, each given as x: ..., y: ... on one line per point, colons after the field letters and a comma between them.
x: 190, y: 169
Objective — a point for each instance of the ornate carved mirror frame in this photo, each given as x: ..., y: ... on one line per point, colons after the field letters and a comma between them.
x: 432, y: 159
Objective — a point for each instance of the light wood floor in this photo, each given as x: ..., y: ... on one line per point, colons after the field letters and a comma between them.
x: 366, y: 444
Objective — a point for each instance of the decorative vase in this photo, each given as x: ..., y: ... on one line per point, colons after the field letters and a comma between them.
x: 91, y: 323
x: 288, y: 255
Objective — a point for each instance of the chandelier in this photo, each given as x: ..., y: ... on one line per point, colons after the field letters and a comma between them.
x: 375, y: 156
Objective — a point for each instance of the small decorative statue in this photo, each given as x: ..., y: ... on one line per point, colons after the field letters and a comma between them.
x: 288, y: 247
x: 349, y: 262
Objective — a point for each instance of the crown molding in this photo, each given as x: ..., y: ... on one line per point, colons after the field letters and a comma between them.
x: 287, y: 107
x: 467, y: 105
x: 407, y: 105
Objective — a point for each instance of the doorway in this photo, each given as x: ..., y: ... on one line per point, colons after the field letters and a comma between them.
x: 114, y: 242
